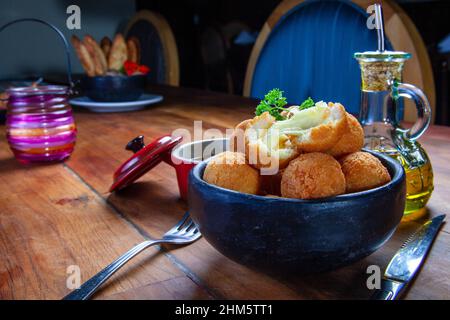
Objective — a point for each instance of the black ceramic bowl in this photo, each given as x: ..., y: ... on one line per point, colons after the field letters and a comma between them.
x: 114, y: 88
x: 303, y: 236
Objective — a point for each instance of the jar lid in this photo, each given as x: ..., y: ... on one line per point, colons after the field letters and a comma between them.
x: 382, y: 56
x: 38, y: 90
x: 145, y: 158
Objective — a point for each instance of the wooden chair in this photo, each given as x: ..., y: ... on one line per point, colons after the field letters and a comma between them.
x: 158, y: 47
x: 306, y: 48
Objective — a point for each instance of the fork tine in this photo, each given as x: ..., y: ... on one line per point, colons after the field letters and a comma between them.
x: 187, y: 227
x: 183, y: 229
x: 192, y: 232
x: 177, y: 227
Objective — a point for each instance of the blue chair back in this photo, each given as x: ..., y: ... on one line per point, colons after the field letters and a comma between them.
x: 309, y: 53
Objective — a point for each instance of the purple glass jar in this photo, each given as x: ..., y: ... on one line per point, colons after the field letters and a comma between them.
x: 39, y: 124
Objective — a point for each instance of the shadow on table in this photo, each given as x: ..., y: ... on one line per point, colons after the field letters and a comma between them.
x: 137, y: 201
x: 11, y: 164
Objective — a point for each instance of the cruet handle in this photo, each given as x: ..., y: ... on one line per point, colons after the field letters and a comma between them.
x: 404, y: 90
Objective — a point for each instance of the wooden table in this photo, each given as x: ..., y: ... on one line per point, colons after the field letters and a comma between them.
x: 55, y: 216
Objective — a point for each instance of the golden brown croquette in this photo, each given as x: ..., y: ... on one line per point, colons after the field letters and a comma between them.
x: 322, y: 127
x: 266, y: 148
x: 229, y: 170
x: 312, y: 176
x: 351, y: 141
x: 316, y: 129
x: 363, y: 171
x: 237, y: 139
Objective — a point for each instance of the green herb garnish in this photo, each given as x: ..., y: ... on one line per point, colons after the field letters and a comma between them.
x: 308, y: 103
x: 273, y: 103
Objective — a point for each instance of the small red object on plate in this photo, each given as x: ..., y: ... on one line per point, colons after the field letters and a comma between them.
x: 130, y: 68
x: 143, y: 69
x: 144, y: 159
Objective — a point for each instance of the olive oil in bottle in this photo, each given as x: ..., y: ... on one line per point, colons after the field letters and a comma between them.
x: 381, y: 94
x: 419, y: 175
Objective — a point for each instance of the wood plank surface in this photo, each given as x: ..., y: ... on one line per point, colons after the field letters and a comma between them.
x: 63, y: 214
x: 50, y: 220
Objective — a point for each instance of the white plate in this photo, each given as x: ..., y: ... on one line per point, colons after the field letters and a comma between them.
x: 96, y: 106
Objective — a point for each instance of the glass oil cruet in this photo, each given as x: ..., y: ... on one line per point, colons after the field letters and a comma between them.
x: 381, y: 93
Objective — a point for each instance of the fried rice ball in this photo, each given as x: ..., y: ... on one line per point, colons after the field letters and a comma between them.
x: 316, y: 129
x: 363, y: 171
x: 312, y: 176
x: 229, y: 170
x: 270, y: 143
x: 237, y: 140
x: 351, y: 141
x: 266, y: 148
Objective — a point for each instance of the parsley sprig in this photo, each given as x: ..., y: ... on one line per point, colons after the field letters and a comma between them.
x: 273, y: 103
x: 308, y: 103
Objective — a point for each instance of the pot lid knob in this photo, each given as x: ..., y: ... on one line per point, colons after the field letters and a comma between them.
x: 136, y: 144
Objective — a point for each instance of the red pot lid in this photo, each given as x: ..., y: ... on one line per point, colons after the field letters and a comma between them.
x: 145, y: 158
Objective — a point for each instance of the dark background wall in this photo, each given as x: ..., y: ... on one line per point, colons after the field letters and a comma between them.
x: 31, y: 49
x: 190, y: 18
x: 197, y: 25
x: 432, y: 19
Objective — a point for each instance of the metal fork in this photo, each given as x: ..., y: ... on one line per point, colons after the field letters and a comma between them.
x: 184, y: 232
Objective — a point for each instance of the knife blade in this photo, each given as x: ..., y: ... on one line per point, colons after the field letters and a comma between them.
x: 407, y: 261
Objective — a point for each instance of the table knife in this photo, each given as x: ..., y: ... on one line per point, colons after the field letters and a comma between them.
x: 407, y: 261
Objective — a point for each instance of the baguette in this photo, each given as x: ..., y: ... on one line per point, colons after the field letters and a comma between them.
x: 83, y: 54
x: 96, y: 52
x: 118, y: 54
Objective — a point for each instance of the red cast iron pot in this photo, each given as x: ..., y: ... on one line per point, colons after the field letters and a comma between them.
x: 182, y: 157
